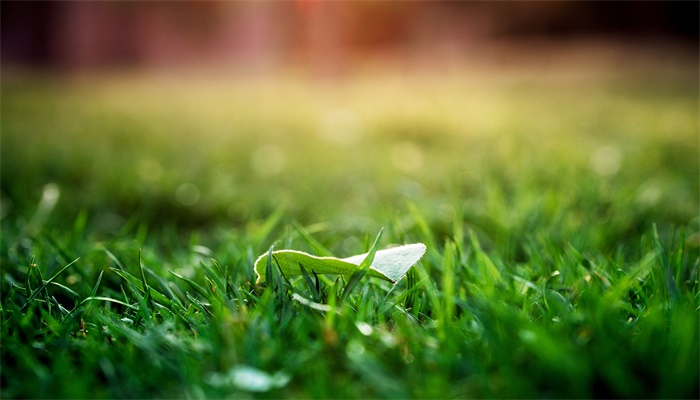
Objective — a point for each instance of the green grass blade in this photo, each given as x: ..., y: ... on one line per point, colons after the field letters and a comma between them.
x: 362, y: 269
x: 66, y: 288
x: 46, y: 283
x: 90, y: 299
x: 448, y: 289
x: 267, y: 226
x: 194, y: 285
x: 137, y: 283
x: 112, y: 257
x: 668, y: 275
x: 268, y: 266
x: 315, y: 245
x: 146, y: 287
x: 313, y: 288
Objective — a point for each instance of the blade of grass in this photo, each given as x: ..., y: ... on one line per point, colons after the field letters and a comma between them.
x: 268, y: 267
x: 66, y: 288
x: 136, y: 283
x: 422, y: 224
x: 362, y: 269
x: 146, y: 287
x: 46, y: 283
x: 313, y: 288
x: 678, y: 259
x: 167, y: 290
x: 112, y: 257
x: 487, y: 271
x: 668, y: 275
x: 448, y: 289
x: 266, y: 228
x: 198, y: 304
x: 281, y: 279
x: 28, y: 278
x: 93, y: 293
x: 108, y: 299
x: 231, y: 291
x: 194, y: 285
x: 316, y: 247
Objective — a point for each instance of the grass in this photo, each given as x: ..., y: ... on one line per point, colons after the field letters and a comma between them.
x: 560, y: 217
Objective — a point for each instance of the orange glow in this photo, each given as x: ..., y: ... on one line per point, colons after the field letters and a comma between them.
x: 306, y: 7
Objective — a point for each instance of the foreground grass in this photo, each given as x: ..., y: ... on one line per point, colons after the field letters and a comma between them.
x: 467, y: 324
x: 562, y: 237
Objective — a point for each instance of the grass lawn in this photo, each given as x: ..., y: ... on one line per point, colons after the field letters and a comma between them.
x: 559, y: 211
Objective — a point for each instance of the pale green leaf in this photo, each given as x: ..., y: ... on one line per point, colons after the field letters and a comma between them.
x: 389, y: 264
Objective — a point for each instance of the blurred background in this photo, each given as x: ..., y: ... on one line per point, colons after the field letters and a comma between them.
x: 328, y: 35
x: 511, y: 115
